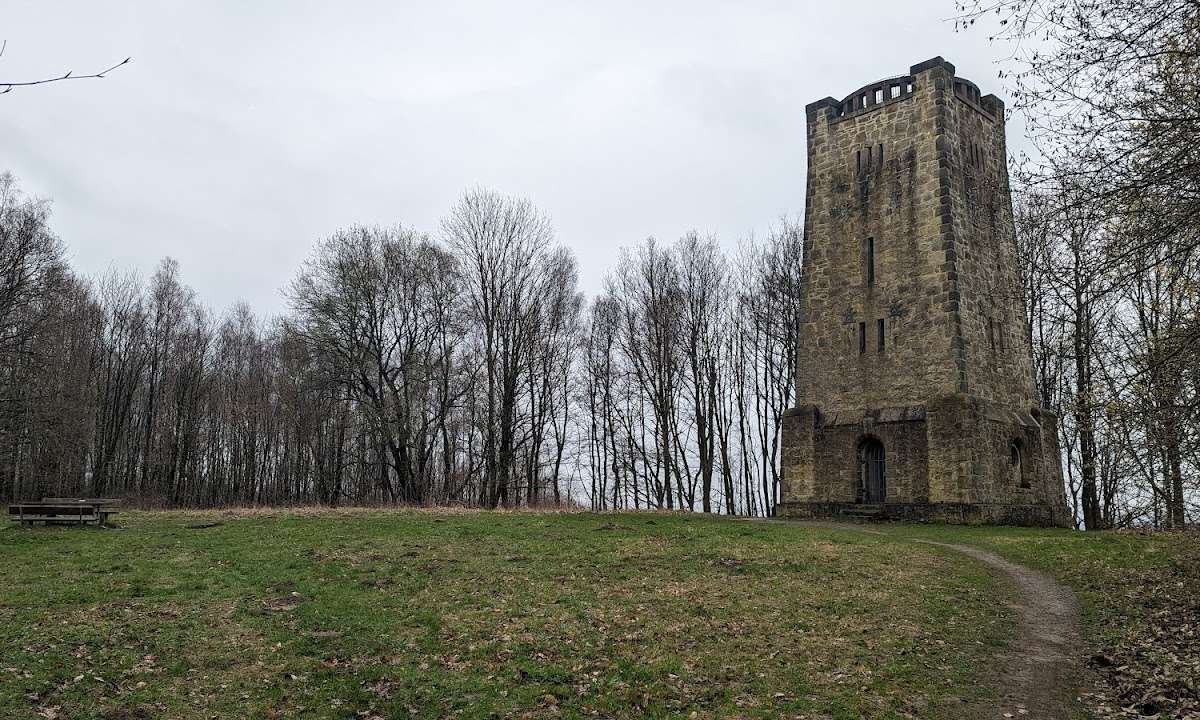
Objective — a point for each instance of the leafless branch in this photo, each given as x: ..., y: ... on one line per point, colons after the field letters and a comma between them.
x: 69, y: 75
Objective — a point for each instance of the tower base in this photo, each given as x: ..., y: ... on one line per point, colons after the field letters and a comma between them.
x: 949, y: 513
x: 953, y: 459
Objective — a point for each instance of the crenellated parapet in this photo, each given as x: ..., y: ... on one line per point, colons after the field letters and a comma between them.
x: 900, y: 88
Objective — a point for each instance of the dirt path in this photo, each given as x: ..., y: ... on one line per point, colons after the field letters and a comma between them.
x: 1038, y: 676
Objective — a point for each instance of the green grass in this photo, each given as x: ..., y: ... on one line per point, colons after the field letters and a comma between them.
x: 486, y: 615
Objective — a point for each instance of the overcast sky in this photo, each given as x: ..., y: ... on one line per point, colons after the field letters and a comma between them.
x: 244, y: 131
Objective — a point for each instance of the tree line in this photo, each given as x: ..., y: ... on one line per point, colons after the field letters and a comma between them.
x: 462, y: 366
x: 467, y: 368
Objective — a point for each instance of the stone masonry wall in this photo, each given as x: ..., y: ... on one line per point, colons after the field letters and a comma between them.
x: 836, y: 451
x: 820, y: 454
x: 992, y: 310
x: 922, y: 179
x: 853, y: 196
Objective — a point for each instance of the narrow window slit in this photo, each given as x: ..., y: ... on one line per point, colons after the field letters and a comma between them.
x: 870, y: 261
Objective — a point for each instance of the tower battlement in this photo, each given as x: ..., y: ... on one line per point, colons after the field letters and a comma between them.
x: 915, y: 379
x: 898, y: 89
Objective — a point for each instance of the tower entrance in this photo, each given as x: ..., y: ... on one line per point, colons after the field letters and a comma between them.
x: 872, y: 472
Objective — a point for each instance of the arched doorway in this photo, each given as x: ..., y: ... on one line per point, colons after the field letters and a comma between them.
x: 872, y: 472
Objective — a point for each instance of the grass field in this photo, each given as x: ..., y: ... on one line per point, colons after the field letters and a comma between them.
x: 370, y: 614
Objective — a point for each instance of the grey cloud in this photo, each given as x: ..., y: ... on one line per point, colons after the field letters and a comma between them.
x: 243, y: 132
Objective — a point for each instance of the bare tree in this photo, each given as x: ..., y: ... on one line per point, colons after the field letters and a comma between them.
x: 702, y: 284
x: 501, y: 244
x: 646, y: 284
x: 377, y: 308
x: 31, y: 266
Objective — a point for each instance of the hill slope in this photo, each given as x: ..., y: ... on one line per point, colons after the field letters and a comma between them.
x: 440, y: 614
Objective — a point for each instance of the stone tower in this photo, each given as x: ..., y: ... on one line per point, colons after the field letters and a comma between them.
x: 914, y: 383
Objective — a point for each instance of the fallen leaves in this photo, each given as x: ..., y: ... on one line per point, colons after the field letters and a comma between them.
x: 1150, y: 668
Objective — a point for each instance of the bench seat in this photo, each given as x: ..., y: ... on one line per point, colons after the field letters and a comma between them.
x: 31, y: 517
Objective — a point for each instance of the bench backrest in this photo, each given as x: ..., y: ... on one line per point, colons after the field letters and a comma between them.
x: 84, y: 501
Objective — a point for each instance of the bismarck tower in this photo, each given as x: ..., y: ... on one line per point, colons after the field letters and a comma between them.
x: 915, y: 393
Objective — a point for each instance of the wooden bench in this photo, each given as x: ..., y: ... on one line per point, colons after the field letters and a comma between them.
x: 63, y: 511
x: 104, y: 506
